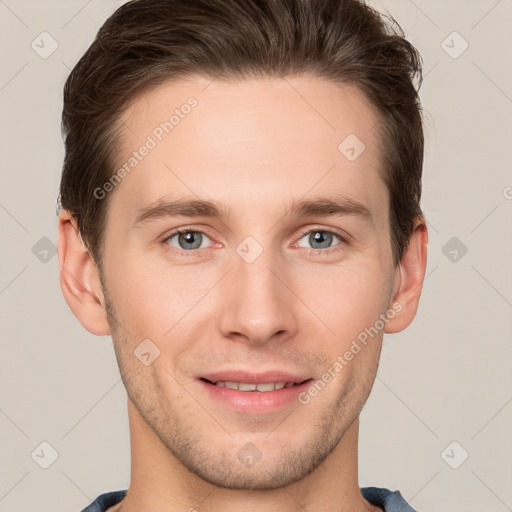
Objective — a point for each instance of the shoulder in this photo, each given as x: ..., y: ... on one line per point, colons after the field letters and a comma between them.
x: 389, y: 501
x: 104, y: 501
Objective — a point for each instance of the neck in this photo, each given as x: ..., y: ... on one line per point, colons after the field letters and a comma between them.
x: 160, y: 482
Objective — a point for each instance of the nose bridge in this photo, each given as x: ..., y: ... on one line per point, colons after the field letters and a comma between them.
x: 258, y: 304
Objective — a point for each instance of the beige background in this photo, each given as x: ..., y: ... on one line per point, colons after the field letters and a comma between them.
x: 446, y: 379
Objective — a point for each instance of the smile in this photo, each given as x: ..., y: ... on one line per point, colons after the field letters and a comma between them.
x: 245, y: 386
x: 263, y: 395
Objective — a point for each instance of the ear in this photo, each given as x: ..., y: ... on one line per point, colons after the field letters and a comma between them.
x: 409, y: 279
x: 79, y: 278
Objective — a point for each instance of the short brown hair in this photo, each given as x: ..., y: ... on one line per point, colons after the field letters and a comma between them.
x: 148, y: 42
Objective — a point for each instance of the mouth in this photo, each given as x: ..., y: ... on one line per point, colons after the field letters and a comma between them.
x: 262, y: 387
x: 254, y: 394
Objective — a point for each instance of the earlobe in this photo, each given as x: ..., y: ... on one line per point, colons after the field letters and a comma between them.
x: 79, y: 278
x: 411, y: 272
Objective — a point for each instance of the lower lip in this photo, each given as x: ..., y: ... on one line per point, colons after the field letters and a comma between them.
x: 255, y: 402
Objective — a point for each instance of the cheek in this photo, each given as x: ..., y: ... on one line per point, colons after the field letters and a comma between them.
x: 152, y: 299
x: 347, y: 299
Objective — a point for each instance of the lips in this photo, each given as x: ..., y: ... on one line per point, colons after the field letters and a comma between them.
x: 248, y: 386
x: 254, y: 393
x: 233, y: 377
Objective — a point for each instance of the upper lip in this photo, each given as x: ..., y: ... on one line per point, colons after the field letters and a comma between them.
x: 255, y: 378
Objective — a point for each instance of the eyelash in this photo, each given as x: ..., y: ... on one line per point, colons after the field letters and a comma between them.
x: 194, y: 252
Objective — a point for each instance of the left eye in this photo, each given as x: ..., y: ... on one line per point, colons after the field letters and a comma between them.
x: 188, y: 240
x: 321, y: 238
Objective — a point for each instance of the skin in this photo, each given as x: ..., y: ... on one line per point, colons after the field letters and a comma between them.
x: 253, y: 146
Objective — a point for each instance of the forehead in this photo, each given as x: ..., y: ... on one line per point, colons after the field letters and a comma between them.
x: 252, y: 142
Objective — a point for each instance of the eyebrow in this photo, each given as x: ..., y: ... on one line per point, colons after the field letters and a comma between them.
x: 337, y: 206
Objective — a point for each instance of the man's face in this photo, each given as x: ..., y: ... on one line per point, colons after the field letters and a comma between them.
x: 248, y: 296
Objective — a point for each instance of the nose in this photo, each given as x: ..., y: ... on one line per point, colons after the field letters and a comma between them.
x: 259, y: 305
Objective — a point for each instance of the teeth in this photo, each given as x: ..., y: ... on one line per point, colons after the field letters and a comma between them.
x: 246, y: 387
x: 267, y: 387
x: 242, y: 386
